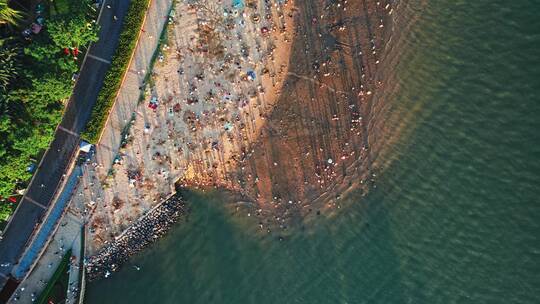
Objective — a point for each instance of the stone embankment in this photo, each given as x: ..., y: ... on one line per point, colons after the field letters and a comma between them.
x: 142, y: 233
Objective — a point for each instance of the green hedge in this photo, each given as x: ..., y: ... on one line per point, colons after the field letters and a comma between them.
x: 60, y: 271
x: 119, y: 64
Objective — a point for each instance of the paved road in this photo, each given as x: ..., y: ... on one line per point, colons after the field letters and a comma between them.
x: 56, y: 160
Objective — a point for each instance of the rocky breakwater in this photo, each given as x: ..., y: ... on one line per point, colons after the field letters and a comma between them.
x: 141, y: 234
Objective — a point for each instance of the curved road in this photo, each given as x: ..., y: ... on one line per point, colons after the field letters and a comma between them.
x: 56, y: 160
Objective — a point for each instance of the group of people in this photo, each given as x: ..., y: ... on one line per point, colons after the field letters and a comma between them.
x: 145, y: 231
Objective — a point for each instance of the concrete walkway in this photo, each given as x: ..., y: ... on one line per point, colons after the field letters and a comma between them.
x: 74, y: 270
x: 128, y: 96
x: 47, y: 228
x: 92, y: 189
x: 67, y: 236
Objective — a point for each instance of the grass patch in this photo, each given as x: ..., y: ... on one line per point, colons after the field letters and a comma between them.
x: 56, y: 289
x: 119, y: 64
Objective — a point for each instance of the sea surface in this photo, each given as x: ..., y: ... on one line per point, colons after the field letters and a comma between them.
x: 454, y: 216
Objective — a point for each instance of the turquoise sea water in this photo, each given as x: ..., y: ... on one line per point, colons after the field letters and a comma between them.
x: 455, y: 216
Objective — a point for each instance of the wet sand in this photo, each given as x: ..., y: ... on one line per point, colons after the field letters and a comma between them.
x: 316, y: 141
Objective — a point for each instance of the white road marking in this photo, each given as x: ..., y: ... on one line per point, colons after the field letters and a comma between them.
x: 99, y: 58
x: 68, y: 131
x: 35, y: 203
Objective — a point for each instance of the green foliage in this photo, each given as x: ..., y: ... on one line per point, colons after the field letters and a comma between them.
x: 63, y: 32
x: 73, y: 32
x: 60, y: 7
x: 41, y: 52
x: 8, y: 15
x: 5, y: 211
x: 9, y: 66
x: 39, y: 81
x: 14, y: 169
x: 28, y: 125
x: 49, y: 88
x: 119, y: 64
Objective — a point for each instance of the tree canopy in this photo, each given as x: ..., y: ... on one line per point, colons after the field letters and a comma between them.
x: 72, y: 33
x: 35, y: 79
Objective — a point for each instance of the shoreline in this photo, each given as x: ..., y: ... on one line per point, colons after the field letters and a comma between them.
x: 183, y: 142
x: 294, y: 149
x: 135, y: 238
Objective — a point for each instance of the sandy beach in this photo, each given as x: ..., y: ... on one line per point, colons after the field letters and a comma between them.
x: 215, y: 80
x: 270, y: 100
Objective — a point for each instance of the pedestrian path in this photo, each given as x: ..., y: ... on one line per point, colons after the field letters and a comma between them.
x: 75, y: 269
x: 66, y: 237
x: 130, y: 90
x: 48, y: 226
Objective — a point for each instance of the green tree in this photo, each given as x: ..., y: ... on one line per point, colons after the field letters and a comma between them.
x: 31, y: 94
x: 5, y: 130
x: 48, y: 56
x: 62, y: 33
x: 8, y: 15
x: 12, y: 171
x: 50, y: 90
x: 41, y: 52
x: 73, y: 32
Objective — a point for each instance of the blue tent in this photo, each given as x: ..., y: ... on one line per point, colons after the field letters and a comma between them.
x: 238, y: 4
x: 251, y: 75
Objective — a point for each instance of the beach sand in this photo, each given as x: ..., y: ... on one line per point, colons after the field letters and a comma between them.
x: 214, y: 81
x: 272, y: 102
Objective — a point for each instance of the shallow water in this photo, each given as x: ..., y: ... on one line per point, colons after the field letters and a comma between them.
x: 454, y: 217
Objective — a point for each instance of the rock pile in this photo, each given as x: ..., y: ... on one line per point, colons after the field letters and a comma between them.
x: 142, y: 233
